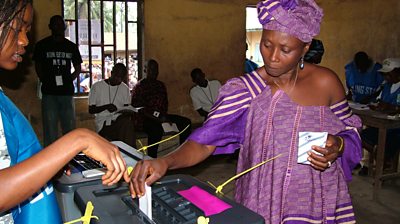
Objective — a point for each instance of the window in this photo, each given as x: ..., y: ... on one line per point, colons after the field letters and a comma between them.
x: 107, y: 32
x: 253, y: 35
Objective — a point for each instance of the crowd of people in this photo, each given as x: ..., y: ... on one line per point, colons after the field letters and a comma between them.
x: 263, y: 113
x: 97, y: 73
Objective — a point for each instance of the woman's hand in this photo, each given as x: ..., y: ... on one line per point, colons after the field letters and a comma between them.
x: 108, y: 154
x: 146, y: 172
x: 329, y: 153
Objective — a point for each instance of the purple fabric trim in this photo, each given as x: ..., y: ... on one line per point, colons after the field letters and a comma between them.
x: 341, y: 107
x: 352, y: 153
x: 344, y: 205
x: 230, y: 128
x: 303, y: 216
x: 327, y: 222
x: 215, y: 110
x: 338, y: 220
x: 344, y: 113
x: 253, y: 83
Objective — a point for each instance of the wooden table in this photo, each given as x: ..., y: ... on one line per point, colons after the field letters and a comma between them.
x: 383, y: 123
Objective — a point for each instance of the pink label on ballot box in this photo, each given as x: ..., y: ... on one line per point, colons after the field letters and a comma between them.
x: 208, y: 203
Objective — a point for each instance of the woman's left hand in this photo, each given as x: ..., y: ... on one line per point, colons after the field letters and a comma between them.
x: 329, y: 154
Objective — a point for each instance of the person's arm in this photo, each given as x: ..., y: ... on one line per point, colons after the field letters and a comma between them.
x: 386, y: 108
x: 373, y: 96
x: 76, y: 61
x: 346, y: 145
x: 349, y: 80
x: 148, y: 171
x: 93, y: 109
x: 196, y: 103
x: 22, y: 180
x: 77, y: 68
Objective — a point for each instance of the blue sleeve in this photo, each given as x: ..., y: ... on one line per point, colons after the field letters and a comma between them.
x: 22, y: 143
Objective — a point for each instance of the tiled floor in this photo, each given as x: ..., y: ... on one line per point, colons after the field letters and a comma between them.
x: 218, y: 169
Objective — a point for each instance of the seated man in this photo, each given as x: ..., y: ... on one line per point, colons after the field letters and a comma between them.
x: 388, y: 102
x: 205, y: 93
x: 249, y: 65
x: 362, y: 78
x: 107, y: 99
x: 151, y: 94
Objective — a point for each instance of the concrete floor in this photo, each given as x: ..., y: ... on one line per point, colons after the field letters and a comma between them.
x: 218, y: 169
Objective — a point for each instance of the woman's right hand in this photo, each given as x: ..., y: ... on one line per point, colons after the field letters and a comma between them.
x: 146, y: 172
x: 108, y: 154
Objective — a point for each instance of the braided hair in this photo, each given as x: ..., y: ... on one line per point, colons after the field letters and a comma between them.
x: 10, y: 10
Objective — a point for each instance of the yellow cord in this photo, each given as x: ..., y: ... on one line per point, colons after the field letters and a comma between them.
x: 220, y: 187
x: 85, y: 219
x: 144, y: 148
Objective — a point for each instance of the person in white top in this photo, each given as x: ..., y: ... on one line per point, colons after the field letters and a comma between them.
x: 205, y: 93
x: 107, y: 100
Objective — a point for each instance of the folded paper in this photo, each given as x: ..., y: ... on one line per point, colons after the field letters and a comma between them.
x: 308, y: 139
x: 145, y: 203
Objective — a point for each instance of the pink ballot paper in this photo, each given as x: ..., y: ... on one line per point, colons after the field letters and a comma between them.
x: 208, y: 203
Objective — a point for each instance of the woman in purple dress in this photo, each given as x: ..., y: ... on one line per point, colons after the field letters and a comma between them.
x: 263, y: 112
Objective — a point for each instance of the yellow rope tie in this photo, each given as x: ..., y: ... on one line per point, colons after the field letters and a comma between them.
x: 220, y: 187
x: 144, y: 148
x: 140, y: 142
x: 129, y: 170
x: 85, y: 219
x: 203, y: 220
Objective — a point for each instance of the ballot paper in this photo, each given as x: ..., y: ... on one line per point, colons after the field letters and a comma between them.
x: 358, y: 106
x: 308, y: 139
x: 128, y: 109
x: 145, y: 203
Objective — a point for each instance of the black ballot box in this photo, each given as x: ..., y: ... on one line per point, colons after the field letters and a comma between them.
x: 66, y: 186
x: 114, y: 204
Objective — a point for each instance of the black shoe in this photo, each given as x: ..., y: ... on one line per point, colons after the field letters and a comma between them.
x: 363, y: 171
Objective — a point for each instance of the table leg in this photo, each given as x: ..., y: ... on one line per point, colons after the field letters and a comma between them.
x: 380, y: 157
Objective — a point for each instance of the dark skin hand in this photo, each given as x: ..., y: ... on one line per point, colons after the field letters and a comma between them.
x: 149, y: 171
x: 385, y: 107
x: 93, y: 109
x: 330, y: 153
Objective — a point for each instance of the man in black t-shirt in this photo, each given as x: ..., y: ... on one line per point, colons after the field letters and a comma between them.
x: 53, y: 58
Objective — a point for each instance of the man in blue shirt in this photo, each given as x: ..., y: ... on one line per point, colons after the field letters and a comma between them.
x: 362, y: 78
x: 388, y: 102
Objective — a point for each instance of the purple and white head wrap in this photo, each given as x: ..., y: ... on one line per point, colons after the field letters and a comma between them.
x: 299, y: 18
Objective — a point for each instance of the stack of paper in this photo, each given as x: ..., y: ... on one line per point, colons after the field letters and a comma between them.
x: 308, y: 139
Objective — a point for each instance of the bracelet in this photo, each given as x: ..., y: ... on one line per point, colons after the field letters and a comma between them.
x: 341, y: 144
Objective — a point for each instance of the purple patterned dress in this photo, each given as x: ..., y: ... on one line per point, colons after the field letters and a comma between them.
x: 262, y: 125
